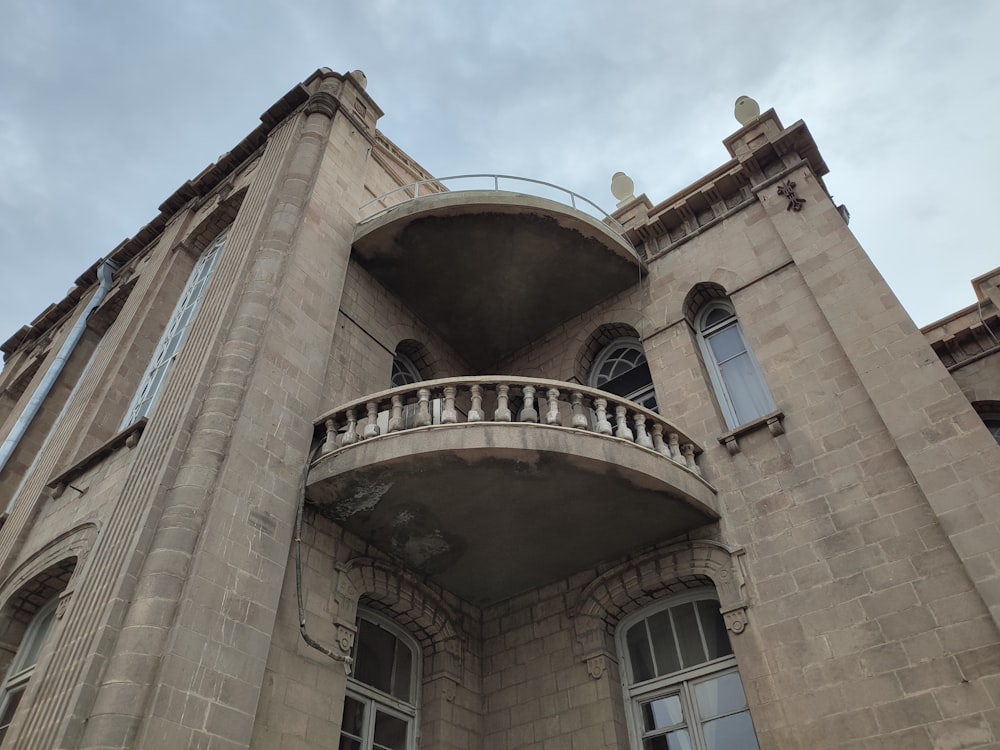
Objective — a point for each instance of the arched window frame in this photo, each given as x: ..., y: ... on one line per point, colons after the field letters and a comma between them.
x: 991, y: 418
x: 753, y: 383
x: 374, y: 703
x: 173, y: 337
x: 683, y: 684
x: 22, y: 666
x: 404, y: 372
x: 605, y: 364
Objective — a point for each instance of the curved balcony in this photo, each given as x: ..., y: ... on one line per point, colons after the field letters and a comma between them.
x: 492, y: 486
x: 496, y: 263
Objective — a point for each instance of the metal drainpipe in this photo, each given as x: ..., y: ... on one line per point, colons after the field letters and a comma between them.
x: 105, y: 273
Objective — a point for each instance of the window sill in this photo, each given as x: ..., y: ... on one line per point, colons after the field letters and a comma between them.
x: 127, y: 437
x: 774, y: 422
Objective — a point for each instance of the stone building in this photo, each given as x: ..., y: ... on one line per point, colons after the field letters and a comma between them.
x: 336, y: 454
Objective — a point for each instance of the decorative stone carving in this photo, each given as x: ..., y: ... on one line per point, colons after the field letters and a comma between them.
x: 597, y: 666
x: 786, y: 190
x: 322, y: 102
x: 64, y: 598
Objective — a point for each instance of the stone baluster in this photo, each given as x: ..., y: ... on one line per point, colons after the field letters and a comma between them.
x: 603, y: 425
x: 424, y: 407
x: 659, y: 444
x: 553, y: 416
x: 528, y: 412
x: 448, y: 413
x: 351, y: 436
x: 622, y: 431
x: 476, y: 412
x: 688, y: 450
x: 502, y: 414
x: 396, y: 419
x: 641, y: 436
x: 675, y: 450
x: 330, y: 444
x: 371, y: 429
x: 579, y: 418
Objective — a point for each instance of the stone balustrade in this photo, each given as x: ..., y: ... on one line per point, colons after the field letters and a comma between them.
x: 504, y: 399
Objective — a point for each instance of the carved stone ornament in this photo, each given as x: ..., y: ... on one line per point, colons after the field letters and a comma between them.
x: 64, y: 598
x: 345, y: 638
x: 322, y: 102
x: 736, y: 620
x: 786, y: 189
x: 596, y: 667
x: 449, y: 689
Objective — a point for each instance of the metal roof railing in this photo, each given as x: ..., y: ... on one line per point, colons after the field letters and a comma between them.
x: 524, y: 185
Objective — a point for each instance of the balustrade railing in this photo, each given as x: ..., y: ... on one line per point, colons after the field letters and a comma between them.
x: 504, y: 399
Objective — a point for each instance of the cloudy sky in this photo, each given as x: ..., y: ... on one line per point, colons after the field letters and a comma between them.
x: 107, y: 107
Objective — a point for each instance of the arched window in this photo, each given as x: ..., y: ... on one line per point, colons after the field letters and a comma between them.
x: 621, y: 369
x: 404, y: 372
x: 22, y: 666
x: 737, y: 378
x: 682, y: 684
x: 380, y: 708
x: 992, y: 422
x: 175, y: 332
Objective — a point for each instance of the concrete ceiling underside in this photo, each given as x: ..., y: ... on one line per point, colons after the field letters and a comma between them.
x: 492, y: 272
x: 493, y: 510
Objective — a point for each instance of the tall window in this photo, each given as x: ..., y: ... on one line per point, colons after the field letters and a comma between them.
x: 681, y: 679
x: 22, y: 666
x: 380, y: 708
x: 737, y: 378
x: 621, y: 369
x: 175, y: 332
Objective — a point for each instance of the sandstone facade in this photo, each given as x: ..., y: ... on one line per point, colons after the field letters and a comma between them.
x: 305, y: 507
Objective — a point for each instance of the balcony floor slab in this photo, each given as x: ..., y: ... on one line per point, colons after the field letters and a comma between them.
x: 491, y: 510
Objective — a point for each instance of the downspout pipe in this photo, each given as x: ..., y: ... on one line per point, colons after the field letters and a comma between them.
x: 105, y: 273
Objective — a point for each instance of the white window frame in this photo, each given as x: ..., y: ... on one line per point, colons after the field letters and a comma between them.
x: 376, y: 700
x: 681, y: 683
x: 598, y: 377
x: 172, y: 340
x: 15, y: 682
x: 723, y: 391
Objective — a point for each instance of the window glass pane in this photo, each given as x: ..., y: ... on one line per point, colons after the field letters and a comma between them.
x: 993, y: 425
x: 730, y: 733
x: 11, y: 700
x: 39, y: 629
x: 353, y: 721
x: 404, y: 666
x: 714, y: 628
x: 678, y: 740
x: 715, y: 317
x: 664, y: 648
x: 376, y: 648
x: 638, y: 649
x: 390, y: 732
x: 663, y: 712
x: 726, y: 344
x: 688, y: 635
x: 721, y: 695
x: 747, y: 393
x: 349, y: 743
